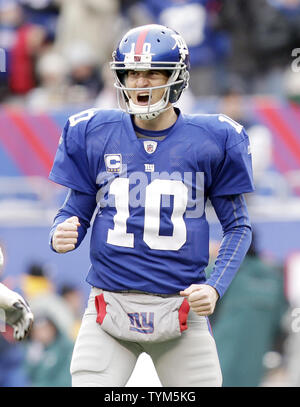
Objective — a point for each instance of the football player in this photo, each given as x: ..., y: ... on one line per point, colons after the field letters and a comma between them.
x: 14, y: 310
x: 143, y: 174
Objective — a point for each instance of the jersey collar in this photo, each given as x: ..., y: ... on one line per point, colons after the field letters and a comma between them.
x: 131, y: 132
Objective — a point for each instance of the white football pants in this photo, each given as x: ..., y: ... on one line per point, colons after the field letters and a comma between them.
x: 100, y: 360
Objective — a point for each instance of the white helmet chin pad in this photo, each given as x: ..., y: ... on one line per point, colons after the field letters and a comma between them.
x: 147, y: 114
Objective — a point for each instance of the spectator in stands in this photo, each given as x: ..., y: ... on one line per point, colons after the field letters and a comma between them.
x: 43, y: 298
x: 22, y: 41
x: 12, y: 354
x: 249, y: 319
x: 53, y: 91
x: 10, y: 19
x: 106, y: 99
x: 35, y: 282
x: 263, y: 34
x: 241, y: 64
x: 91, y: 21
x: 74, y: 299
x: 65, y: 81
x: 42, y: 13
x: 85, y: 73
x: 48, y: 354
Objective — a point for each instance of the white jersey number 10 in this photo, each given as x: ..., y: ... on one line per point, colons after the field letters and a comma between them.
x: 119, y: 236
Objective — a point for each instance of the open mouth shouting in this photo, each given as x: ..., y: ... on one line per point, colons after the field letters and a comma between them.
x: 143, y: 98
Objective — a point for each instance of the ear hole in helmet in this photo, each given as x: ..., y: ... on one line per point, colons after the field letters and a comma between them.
x: 121, y: 76
x: 176, y: 90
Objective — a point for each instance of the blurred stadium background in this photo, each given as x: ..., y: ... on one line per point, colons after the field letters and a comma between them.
x: 245, y: 62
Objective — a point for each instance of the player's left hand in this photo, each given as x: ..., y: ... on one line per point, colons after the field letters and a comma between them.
x: 202, y: 298
x: 17, y: 312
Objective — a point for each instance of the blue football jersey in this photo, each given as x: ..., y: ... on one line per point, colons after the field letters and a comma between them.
x: 150, y: 231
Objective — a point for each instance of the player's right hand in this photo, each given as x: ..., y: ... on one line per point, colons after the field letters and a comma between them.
x: 65, y: 236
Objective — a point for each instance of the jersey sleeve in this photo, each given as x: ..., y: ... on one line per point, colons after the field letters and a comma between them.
x: 234, y: 174
x: 76, y: 204
x: 71, y: 164
x: 233, y: 215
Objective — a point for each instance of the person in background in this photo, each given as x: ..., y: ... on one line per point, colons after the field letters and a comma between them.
x: 52, y: 91
x: 41, y: 292
x: 249, y: 317
x: 48, y: 354
x: 74, y: 299
x: 198, y: 21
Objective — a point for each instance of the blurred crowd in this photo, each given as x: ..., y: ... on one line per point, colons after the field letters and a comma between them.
x: 56, y: 51
x: 56, y: 56
x: 43, y: 359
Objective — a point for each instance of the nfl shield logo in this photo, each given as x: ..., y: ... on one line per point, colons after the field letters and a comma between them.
x: 150, y: 146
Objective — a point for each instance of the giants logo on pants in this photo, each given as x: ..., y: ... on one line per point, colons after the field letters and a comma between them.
x: 118, y: 316
x: 140, y: 323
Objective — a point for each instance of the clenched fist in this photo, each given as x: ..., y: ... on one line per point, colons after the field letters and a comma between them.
x: 65, y: 236
x: 202, y: 298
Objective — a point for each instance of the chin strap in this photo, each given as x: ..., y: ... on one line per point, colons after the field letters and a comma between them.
x: 152, y: 115
x: 147, y: 116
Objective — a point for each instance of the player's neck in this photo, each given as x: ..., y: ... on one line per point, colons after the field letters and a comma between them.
x: 165, y: 120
